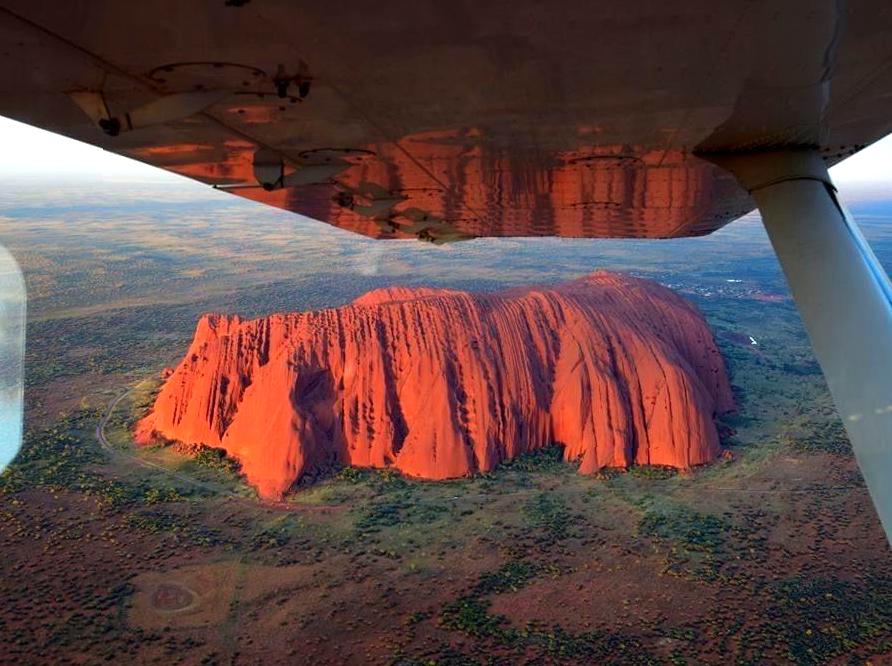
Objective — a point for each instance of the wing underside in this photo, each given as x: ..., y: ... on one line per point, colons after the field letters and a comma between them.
x: 445, y: 121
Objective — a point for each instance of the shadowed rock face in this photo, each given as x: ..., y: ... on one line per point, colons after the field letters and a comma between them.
x: 440, y: 383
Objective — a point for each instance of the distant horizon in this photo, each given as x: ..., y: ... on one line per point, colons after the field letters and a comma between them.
x: 38, y: 153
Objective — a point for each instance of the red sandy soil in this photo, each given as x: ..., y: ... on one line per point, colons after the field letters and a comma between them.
x: 442, y: 384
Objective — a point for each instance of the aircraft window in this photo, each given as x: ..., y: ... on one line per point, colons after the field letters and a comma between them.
x: 12, y: 349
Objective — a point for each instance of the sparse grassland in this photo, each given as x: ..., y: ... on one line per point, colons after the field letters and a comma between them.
x: 773, y: 557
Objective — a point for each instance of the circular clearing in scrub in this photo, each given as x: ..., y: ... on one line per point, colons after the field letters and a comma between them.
x: 172, y: 597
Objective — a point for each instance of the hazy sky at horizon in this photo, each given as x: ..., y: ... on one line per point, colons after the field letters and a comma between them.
x: 31, y: 151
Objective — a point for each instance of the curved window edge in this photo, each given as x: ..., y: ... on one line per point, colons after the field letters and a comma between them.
x: 13, y: 301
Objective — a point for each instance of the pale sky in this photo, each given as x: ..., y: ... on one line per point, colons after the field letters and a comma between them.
x: 26, y: 150
x: 29, y: 151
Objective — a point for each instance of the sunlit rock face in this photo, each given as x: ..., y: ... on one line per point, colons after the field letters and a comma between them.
x: 439, y: 383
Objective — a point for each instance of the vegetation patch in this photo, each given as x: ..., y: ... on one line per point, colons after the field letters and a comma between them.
x: 546, y: 459
x: 827, y: 437
x: 185, y: 533
x: 402, y: 510
x: 548, y: 512
x: 216, y: 459
x: 702, y: 546
x: 695, y: 531
x: 67, y: 456
x: 470, y: 615
x: 834, y: 616
x: 657, y: 472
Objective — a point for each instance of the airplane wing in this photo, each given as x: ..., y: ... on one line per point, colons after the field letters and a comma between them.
x: 453, y: 120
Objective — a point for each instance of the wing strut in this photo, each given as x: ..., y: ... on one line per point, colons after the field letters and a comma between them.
x: 842, y: 293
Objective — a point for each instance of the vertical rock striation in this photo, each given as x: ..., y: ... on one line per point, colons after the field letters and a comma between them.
x: 440, y: 383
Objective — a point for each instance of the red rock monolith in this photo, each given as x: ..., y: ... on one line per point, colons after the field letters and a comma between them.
x: 439, y: 383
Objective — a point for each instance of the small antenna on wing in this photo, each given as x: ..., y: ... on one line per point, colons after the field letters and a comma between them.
x: 302, y: 79
x: 272, y: 173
